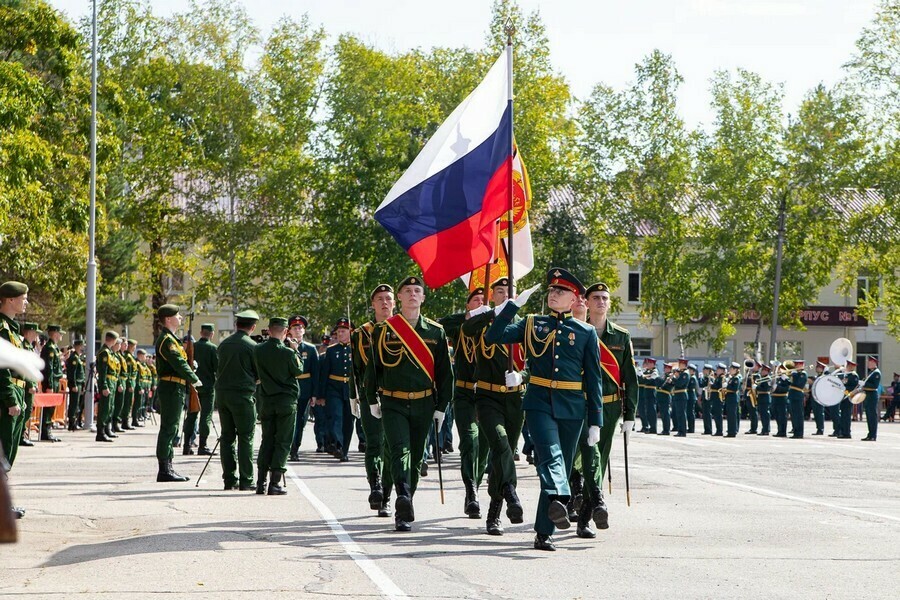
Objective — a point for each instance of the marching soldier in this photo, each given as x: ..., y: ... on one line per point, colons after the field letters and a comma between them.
x: 664, y: 397
x: 763, y: 388
x: 75, y: 378
x: 680, y: 398
x: 207, y: 358
x: 564, y: 385
x: 175, y: 374
x: 717, y: 395
x: 378, y: 470
x: 279, y: 367
x: 870, y: 387
x: 29, y: 342
x: 818, y: 411
x: 779, y: 398
x: 693, y: 387
x: 650, y: 381
x: 473, y: 445
x: 796, y: 395
x: 410, y: 366
x: 131, y: 383
x: 334, y: 381
x: 324, y: 441
x: 107, y: 382
x: 705, y: 381
x: 308, y: 379
x: 53, y: 373
x: 499, y: 411
x: 235, y: 385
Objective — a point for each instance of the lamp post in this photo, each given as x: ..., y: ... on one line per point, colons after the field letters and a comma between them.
x: 91, y: 320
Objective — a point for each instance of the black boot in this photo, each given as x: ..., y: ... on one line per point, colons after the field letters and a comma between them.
x: 109, y: 432
x: 125, y: 425
x: 275, y: 487
x: 376, y: 493
x: 492, y: 524
x: 71, y: 426
x: 583, y: 529
x: 115, y: 426
x: 544, y: 542
x: 167, y: 474
x: 576, y: 484
x: 472, y: 506
x: 135, y: 423
x: 401, y: 525
x: 403, y: 507
x: 261, y: 481
x: 599, y: 512
x: 514, y: 510
x: 176, y: 475
x: 385, y: 509
x: 101, y: 435
x: 204, y: 450
x: 557, y: 513
x: 187, y: 450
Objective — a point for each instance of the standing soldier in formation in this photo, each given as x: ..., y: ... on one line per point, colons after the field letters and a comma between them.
x: 664, y: 397
x: 704, y: 382
x: 650, y: 380
x: 378, y: 470
x: 175, y: 374
x: 870, y: 387
x: 123, y: 379
x: 732, y: 399
x: 717, y: 393
x: 779, y: 398
x: 680, y: 398
x: 895, y: 400
x: 279, y: 368
x: 13, y: 301
x: 409, y: 369
x: 764, y: 397
x: 207, y: 358
x: 748, y: 398
x: 138, y: 410
x: 693, y: 397
x: 473, y: 445
x: 75, y: 379
x: 320, y: 412
x: 818, y: 411
x: 499, y: 410
x: 235, y: 385
x: 309, y: 379
x: 53, y: 373
x: 29, y: 342
x: 107, y: 382
x: 796, y: 395
x: 131, y: 384
x: 845, y: 408
x: 334, y: 381
x: 564, y: 385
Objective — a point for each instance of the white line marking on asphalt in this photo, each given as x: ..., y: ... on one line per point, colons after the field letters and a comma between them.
x: 353, y: 550
x: 773, y: 493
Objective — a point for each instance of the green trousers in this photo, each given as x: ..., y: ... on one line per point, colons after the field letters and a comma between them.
x: 473, y: 445
x: 128, y: 400
x: 11, y: 427
x: 26, y: 413
x: 277, y: 420
x: 104, y: 406
x: 237, y: 414
x: 119, y: 402
x: 500, y: 417
x: 595, y: 459
x: 171, y: 406
x: 207, y: 403
x: 377, y: 452
x: 140, y: 398
x: 47, y: 411
x: 76, y: 403
x: 406, y: 427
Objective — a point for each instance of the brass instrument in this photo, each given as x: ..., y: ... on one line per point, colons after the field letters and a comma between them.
x: 722, y: 390
x: 749, y: 366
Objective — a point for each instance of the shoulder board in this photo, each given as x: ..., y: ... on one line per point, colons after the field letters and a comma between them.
x: 5, y: 325
x: 369, y: 326
x: 619, y: 328
x: 432, y: 322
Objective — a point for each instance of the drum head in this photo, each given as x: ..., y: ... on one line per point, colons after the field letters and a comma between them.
x: 858, y: 398
x: 828, y: 390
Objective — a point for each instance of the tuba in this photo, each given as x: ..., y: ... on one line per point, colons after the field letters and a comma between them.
x: 840, y: 351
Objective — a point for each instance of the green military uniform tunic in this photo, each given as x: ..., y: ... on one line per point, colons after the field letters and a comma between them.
x: 12, y: 394
x: 174, y: 375
x: 131, y: 378
x: 377, y: 457
x: 31, y: 388
x: 207, y: 358
x: 279, y: 368
x: 75, y: 377
x: 408, y: 396
x: 122, y: 384
x: 236, y: 380
x: 107, y: 382
x: 53, y: 373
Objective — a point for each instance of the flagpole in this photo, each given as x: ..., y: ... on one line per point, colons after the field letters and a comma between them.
x: 510, y: 29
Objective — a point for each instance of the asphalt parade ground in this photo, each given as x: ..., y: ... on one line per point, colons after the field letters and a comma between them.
x: 710, y: 518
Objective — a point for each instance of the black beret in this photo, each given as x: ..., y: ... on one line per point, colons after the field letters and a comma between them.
x: 597, y: 287
x: 411, y: 281
x: 381, y: 287
x: 479, y: 291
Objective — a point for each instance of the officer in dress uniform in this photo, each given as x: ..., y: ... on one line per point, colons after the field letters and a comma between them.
x: 564, y: 385
x: 717, y: 397
x: 732, y: 399
x: 693, y: 390
x: 175, y: 374
x: 53, y: 373
x: 763, y: 388
x: 649, y: 382
x: 334, y: 381
x: 664, y: 396
x: 473, y: 444
x: 309, y: 380
x: 680, y: 398
x: 499, y: 410
x: 779, y: 398
x: 279, y: 368
x: 378, y: 471
x: 29, y: 342
x: 705, y: 398
x: 236, y: 380
x: 870, y: 387
x: 75, y: 379
x: 818, y: 411
x: 409, y: 370
x: 107, y: 382
x: 796, y: 395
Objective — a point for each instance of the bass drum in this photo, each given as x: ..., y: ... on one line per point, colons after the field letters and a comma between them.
x: 858, y: 398
x: 828, y: 390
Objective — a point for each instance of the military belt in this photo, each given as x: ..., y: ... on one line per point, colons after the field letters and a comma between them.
x: 554, y: 384
x: 173, y: 379
x: 339, y: 378
x: 679, y: 391
x: 610, y: 398
x: 406, y: 395
x: 492, y: 387
x: 18, y: 382
x: 784, y: 394
x: 796, y: 389
x: 304, y: 376
x: 865, y: 389
x: 468, y: 385
x: 666, y: 392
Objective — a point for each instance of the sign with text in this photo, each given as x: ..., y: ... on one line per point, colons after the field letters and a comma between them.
x: 815, y: 316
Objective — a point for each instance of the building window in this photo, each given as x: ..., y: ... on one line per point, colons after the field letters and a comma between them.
x: 174, y: 283
x: 862, y: 289
x: 634, y: 286
x: 863, y: 351
x: 642, y: 346
x: 750, y: 351
x: 789, y: 349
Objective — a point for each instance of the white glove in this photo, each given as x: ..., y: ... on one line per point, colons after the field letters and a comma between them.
x: 375, y: 409
x: 499, y: 308
x: 439, y: 417
x: 25, y: 363
x: 522, y: 298
x: 513, y: 379
x: 593, y: 435
x: 195, y: 365
x: 479, y: 311
x: 354, y: 407
x: 626, y: 427
x: 199, y: 384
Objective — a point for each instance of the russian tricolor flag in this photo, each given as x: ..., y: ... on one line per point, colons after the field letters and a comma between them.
x: 443, y: 211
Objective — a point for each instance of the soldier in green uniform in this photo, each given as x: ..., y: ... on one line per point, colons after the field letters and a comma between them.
x: 143, y: 388
x: 564, y: 385
x: 378, y: 471
x: 704, y: 382
x: 29, y: 341
x: 206, y: 357
x: 796, y: 395
x: 693, y: 394
x: 309, y: 380
x: 75, y: 378
x: 499, y: 407
x: 235, y: 385
x: 680, y: 398
x: 174, y: 376
x: 131, y: 383
x: 779, y: 399
x: 279, y: 367
x: 818, y: 411
x: 107, y: 382
x: 870, y: 404
x: 409, y: 369
x: 473, y: 445
x: 732, y: 399
x: 121, y: 383
x: 53, y: 373
x: 845, y: 410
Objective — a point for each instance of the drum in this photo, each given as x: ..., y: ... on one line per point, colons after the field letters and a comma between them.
x: 828, y: 390
x: 858, y: 398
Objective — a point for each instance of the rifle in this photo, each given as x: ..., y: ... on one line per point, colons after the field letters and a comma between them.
x: 193, y: 395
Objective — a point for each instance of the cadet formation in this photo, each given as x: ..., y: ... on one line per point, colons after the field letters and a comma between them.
x: 566, y: 380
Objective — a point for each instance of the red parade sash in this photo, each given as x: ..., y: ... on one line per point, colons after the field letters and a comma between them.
x: 609, y: 364
x: 518, y: 355
x: 414, y: 343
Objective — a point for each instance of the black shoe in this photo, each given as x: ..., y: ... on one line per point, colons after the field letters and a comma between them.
x: 385, y: 510
x: 797, y: 436
x: 514, y: 510
x: 663, y: 433
x: 845, y: 437
x: 109, y: 432
x: 763, y: 433
x: 868, y: 439
x: 599, y: 512
x: 275, y: 487
x: 448, y: 448
x: 783, y: 435
x: 471, y: 506
x: 424, y: 471
x: 583, y: 529
x: 261, y: 481
x: 819, y: 432
x: 230, y: 486
x: 205, y: 451
x: 337, y: 454
x: 27, y: 442
x: 135, y: 424
x: 376, y: 494
x: 49, y: 437
x: 571, y: 510
x: 833, y: 434
x: 320, y: 450
x: 246, y: 487
x: 361, y: 447
x: 345, y: 458
x: 543, y: 542
x: 492, y: 523
x: 18, y: 512
x: 680, y: 435
x: 751, y: 432
x: 294, y: 457
x: 401, y: 525
x: 101, y: 436
x: 116, y: 428
x: 125, y: 426
x: 187, y: 451
x: 558, y: 514
x: 403, y: 508
x: 167, y: 474
x: 529, y: 459
x: 731, y: 435
x: 718, y: 434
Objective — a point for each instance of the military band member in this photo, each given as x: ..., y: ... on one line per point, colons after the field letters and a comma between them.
x: 705, y: 381
x: 75, y: 379
x: 796, y: 395
x: 473, y: 444
x: 377, y: 461
x: 334, y: 383
x: 499, y: 409
x: 870, y: 387
x: 107, y: 382
x: 53, y: 373
x: 564, y: 385
x: 763, y: 388
x: 13, y: 301
x: 650, y: 380
x: 174, y: 376
x: 748, y: 396
x: 818, y: 411
x: 780, y: 398
x: 410, y: 370
x: 693, y: 395
x: 309, y: 380
x: 680, y: 398
x: 732, y: 399
x: 30, y: 342
x: 717, y: 397
x: 845, y: 408
x: 206, y: 355
x: 664, y: 396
